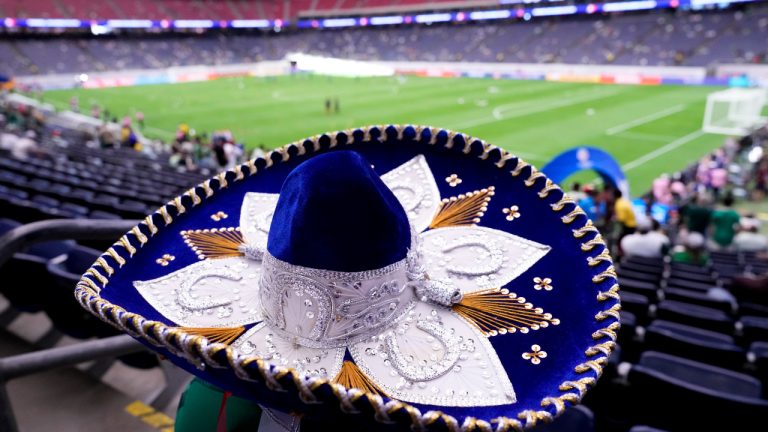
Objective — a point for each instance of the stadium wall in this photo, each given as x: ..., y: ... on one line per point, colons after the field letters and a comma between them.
x: 724, y: 75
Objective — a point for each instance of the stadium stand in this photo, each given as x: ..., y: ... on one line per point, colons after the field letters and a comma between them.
x: 213, y: 9
x: 654, y: 39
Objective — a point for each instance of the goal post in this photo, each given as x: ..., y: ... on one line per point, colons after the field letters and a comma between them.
x: 735, y: 111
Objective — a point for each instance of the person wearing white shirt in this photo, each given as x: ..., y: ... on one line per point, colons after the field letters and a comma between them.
x: 646, y: 242
x: 748, y: 239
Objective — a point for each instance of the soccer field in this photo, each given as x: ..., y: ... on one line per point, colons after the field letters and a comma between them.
x: 649, y: 129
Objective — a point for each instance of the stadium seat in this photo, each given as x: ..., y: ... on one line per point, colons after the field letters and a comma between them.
x: 754, y: 328
x: 759, y: 352
x: 31, y: 265
x: 688, y: 284
x: 667, y: 390
x: 576, y: 418
x: 694, y: 315
x: 639, y: 275
x: 647, y: 289
x: 636, y: 304
x: 98, y: 214
x: 642, y: 428
x: 691, y: 342
x: 642, y: 268
x: 703, y: 277
x: 67, y: 315
x: 698, y: 298
x: 747, y: 308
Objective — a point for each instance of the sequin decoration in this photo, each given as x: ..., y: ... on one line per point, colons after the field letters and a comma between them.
x: 465, y: 209
x: 497, y: 311
x: 512, y: 212
x: 218, y: 216
x: 165, y: 259
x: 414, y: 186
x: 215, y: 243
x: 208, y: 293
x: 542, y: 284
x: 535, y: 355
x: 453, y: 180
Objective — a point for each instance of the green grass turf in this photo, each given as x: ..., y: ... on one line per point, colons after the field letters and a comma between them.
x: 534, y: 119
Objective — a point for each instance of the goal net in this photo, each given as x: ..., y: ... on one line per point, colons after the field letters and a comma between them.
x: 734, y: 111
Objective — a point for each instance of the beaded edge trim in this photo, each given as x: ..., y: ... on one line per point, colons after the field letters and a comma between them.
x: 200, y: 352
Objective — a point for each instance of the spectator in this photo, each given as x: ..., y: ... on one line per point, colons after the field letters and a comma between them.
x: 693, y: 251
x: 647, y: 242
x: 576, y: 192
x: 624, y: 215
x: 661, y: 189
x: 589, y: 204
x: 57, y: 140
x: 749, y: 238
x: 697, y: 215
x: 25, y: 146
x: 724, y: 220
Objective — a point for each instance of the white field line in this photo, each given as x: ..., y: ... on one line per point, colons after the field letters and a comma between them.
x: 662, y: 150
x: 643, y: 120
x: 533, y: 109
x: 645, y: 137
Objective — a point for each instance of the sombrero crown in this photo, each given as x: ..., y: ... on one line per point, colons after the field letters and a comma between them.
x: 358, y: 270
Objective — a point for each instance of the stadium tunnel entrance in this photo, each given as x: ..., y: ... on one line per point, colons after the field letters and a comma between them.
x: 585, y: 158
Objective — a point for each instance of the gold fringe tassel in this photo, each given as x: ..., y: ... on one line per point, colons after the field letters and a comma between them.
x: 497, y: 311
x: 214, y: 243
x: 350, y: 376
x: 465, y: 209
x: 225, y: 335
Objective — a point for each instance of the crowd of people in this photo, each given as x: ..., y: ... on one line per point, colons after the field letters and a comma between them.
x: 25, y: 132
x: 692, y: 212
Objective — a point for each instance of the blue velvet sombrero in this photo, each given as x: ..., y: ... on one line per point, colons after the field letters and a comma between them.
x: 382, y: 277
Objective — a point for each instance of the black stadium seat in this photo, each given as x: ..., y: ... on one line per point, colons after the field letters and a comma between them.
x: 63, y: 309
x: 689, y: 284
x: 667, y: 391
x: 30, y: 263
x: 694, y: 315
x: 754, y: 328
x: 637, y: 304
x: 691, y: 342
x: 698, y: 298
x: 647, y: 289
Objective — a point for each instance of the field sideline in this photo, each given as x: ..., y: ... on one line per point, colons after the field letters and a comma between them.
x: 649, y: 129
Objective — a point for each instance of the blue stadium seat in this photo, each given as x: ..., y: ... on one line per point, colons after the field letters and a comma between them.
x: 694, y: 315
x: 691, y: 342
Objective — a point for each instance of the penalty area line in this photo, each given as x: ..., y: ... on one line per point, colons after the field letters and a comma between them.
x: 643, y: 120
x: 662, y: 150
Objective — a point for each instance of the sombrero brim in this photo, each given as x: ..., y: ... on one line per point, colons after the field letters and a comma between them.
x: 571, y: 280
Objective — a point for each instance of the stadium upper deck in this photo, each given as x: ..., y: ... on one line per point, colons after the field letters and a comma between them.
x: 206, y: 9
